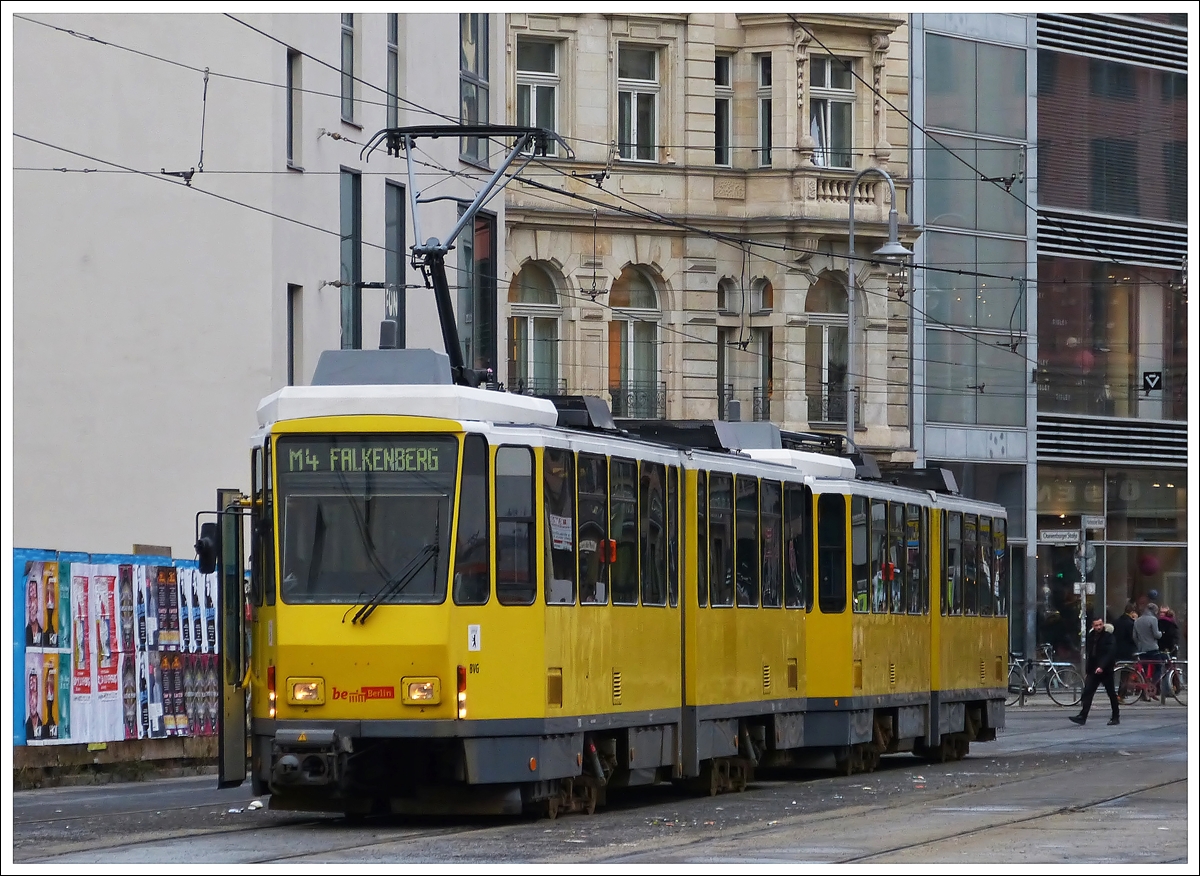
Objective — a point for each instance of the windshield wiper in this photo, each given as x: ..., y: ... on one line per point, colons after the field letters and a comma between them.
x: 394, y: 585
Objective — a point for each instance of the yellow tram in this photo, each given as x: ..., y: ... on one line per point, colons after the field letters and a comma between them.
x: 467, y: 600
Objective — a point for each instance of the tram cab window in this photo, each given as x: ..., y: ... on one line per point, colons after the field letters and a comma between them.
x: 516, y: 576
x: 747, y: 541
x: 558, y: 493
x: 593, y: 529
x: 623, y: 525
x: 653, y: 533
x: 952, y: 596
x: 987, y: 591
x: 673, y: 536
x: 772, y: 542
x: 1000, y: 546
x: 262, y: 549
x: 720, y: 544
x: 881, y: 578
x: 914, y: 558
x: 797, y: 526
x: 472, y: 556
x: 897, y: 557
x: 702, y: 539
x: 831, y: 552
x: 860, y: 570
x: 970, y: 561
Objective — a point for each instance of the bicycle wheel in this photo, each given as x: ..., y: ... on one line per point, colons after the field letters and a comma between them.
x: 1016, y: 682
x: 1130, y: 685
x: 1171, y: 683
x: 1065, y: 686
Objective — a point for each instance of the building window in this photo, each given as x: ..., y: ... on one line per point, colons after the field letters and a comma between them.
x: 393, y: 70
x: 764, y: 110
x: 1115, y: 177
x: 351, y: 259
x: 394, y: 302
x: 348, y: 37
x: 537, y: 87
x: 295, y: 332
x: 723, y: 87
x: 633, y: 347
x: 831, y: 112
x: 729, y: 299
x: 825, y: 350
x: 473, y: 81
x: 1110, y: 79
x: 637, y: 102
x: 744, y: 371
x: 1175, y: 174
x: 533, y: 332
x: 477, y: 314
x: 293, y: 108
x: 1174, y: 86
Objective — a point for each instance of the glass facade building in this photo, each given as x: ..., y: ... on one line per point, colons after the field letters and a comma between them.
x: 1050, y: 325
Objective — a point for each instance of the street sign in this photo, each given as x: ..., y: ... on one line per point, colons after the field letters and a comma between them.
x: 1092, y: 521
x: 1059, y: 536
x: 1085, y: 558
x: 1151, y: 380
x: 1091, y: 587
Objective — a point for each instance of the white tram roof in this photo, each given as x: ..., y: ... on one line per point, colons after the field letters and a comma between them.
x: 446, y: 401
x: 821, y: 465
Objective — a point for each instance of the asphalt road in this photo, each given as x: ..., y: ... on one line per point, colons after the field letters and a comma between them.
x: 1045, y: 792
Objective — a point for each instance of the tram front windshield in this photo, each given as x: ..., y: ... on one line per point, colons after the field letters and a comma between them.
x: 358, y: 514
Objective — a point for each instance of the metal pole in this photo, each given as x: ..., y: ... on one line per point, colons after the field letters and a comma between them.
x: 852, y: 288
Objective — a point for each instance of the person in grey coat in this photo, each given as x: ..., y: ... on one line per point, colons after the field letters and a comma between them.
x: 1146, y: 635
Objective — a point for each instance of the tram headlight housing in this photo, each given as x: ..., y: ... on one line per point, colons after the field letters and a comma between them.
x: 421, y: 691
x: 306, y: 691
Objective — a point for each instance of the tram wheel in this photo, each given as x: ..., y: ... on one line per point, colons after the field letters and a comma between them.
x: 552, y: 807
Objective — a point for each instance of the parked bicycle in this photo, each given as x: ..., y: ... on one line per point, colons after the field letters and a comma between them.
x: 1134, y: 684
x: 1062, y: 681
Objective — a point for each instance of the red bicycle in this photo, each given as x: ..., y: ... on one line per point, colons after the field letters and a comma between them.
x: 1138, y: 679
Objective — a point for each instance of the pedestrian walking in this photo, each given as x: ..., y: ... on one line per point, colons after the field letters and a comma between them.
x: 1101, y: 660
x: 1146, y: 635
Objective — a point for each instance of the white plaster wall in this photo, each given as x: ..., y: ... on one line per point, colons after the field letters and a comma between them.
x: 149, y: 319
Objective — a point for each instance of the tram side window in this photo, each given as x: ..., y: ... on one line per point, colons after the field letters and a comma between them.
x: 747, y: 541
x: 970, y: 563
x: 859, y: 566
x: 772, y: 542
x: 1000, y: 546
x: 516, y: 575
x: 260, y: 544
x: 914, y: 559
x: 593, y: 529
x: 623, y: 526
x: 673, y: 536
x: 720, y: 530
x: 702, y: 539
x: 558, y: 493
x: 654, y: 534
x: 880, y: 574
x: 472, y: 557
x: 987, y: 592
x: 897, y: 556
x: 831, y: 553
x: 797, y: 513
x: 952, y: 595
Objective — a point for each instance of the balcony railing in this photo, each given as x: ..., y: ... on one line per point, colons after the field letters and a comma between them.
x: 754, y: 405
x: 534, y: 386
x: 830, y: 407
x: 645, y: 400
x: 762, y: 403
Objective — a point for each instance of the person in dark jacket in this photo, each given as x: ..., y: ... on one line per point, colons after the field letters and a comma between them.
x: 1123, y: 630
x: 1101, y: 660
x: 1170, y: 630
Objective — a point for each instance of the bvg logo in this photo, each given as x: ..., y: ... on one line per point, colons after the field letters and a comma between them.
x: 365, y: 693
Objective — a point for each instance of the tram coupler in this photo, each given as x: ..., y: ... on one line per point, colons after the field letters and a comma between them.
x: 308, y: 757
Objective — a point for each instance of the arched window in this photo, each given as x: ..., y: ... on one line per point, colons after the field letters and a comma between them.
x: 729, y: 298
x: 633, y: 347
x: 533, y: 332
x: 825, y: 350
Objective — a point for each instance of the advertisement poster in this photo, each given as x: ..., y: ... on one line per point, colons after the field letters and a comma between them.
x: 145, y: 608
x: 129, y: 695
x: 210, y: 614
x: 44, y: 605
x: 125, y: 610
x: 150, y: 695
x: 185, y: 609
x: 47, y: 698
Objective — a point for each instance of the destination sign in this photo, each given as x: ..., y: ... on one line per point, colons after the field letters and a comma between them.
x: 369, y: 455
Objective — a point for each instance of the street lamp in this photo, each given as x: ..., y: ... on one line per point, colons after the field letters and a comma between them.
x: 892, y: 252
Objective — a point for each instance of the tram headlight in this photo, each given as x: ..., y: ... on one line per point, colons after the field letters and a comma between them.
x: 306, y: 691
x: 423, y: 691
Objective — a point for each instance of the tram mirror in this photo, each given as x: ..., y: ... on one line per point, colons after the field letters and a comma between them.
x: 206, y: 548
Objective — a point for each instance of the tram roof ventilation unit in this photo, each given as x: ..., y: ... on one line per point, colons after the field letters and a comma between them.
x: 718, y: 435
x: 939, y: 480
x: 583, y: 412
x: 382, y: 367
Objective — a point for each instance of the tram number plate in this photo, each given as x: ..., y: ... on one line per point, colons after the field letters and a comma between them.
x: 473, y: 637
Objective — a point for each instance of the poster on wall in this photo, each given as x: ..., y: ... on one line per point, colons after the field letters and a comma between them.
x: 47, y: 697
x: 44, y: 606
x: 83, y: 649
x: 126, y: 628
x: 145, y: 610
